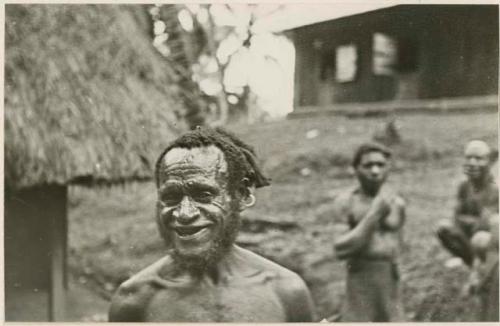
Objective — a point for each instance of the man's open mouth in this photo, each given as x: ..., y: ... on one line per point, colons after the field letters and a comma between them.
x: 186, y: 232
x: 470, y: 170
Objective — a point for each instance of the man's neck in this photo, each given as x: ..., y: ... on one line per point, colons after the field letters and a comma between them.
x: 481, y: 182
x: 214, y: 272
x: 369, y: 191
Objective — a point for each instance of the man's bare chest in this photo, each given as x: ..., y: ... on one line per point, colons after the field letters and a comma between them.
x: 230, y: 303
x: 473, y: 201
x: 357, y: 210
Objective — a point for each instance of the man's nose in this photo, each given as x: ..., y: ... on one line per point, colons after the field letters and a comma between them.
x: 375, y: 170
x: 186, y: 212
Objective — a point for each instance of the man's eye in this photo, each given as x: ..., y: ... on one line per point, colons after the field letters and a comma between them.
x: 203, y: 196
x: 171, y: 198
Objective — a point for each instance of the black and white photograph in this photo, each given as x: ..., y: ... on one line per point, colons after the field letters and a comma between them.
x: 263, y: 162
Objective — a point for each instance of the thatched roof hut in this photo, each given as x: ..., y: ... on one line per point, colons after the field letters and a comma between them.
x: 86, y: 95
x: 87, y: 100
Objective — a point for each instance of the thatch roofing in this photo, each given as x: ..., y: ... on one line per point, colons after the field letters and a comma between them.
x: 86, y: 95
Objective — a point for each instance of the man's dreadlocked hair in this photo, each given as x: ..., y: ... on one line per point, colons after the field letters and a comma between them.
x: 240, y: 157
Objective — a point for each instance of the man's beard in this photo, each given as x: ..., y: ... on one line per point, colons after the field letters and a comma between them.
x: 219, y: 247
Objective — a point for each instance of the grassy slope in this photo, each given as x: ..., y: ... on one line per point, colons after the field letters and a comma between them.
x: 113, y: 235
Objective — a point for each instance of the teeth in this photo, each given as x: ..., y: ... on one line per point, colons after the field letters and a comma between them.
x: 188, y: 231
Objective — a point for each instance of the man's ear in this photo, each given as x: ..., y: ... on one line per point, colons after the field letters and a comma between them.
x: 247, y: 200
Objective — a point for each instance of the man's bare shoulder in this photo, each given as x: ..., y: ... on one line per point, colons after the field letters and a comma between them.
x: 346, y: 194
x: 344, y: 199
x: 259, y: 263
x: 463, y: 184
x: 133, y: 295
x: 289, y: 286
x: 285, y: 279
x: 148, y: 274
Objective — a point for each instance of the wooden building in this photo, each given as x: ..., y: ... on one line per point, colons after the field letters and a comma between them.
x: 87, y: 101
x: 405, y: 56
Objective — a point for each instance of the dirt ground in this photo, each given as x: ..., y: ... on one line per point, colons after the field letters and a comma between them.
x: 113, y: 234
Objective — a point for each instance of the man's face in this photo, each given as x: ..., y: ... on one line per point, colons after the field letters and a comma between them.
x: 372, y: 170
x: 196, y: 214
x: 477, y: 160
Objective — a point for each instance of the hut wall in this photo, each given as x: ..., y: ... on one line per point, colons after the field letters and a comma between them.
x: 35, y: 246
x: 443, y: 51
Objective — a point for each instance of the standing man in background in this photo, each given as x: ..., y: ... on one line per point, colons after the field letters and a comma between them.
x: 373, y: 217
x: 477, y: 200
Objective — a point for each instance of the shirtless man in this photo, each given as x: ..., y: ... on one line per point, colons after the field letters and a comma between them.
x: 205, y: 179
x: 373, y: 219
x: 477, y: 200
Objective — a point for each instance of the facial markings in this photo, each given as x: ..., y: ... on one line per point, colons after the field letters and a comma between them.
x: 208, y: 160
x: 199, y: 173
x: 192, y: 198
x: 172, y: 192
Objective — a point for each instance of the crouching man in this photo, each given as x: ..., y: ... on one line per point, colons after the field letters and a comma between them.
x: 373, y: 219
x: 477, y: 201
x: 205, y: 179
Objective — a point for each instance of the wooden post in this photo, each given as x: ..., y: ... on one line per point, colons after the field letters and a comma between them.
x: 58, y: 240
x: 297, y: 77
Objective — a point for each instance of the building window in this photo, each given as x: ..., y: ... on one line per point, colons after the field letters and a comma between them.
x: 385, y: 54
x: 346, y: 60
